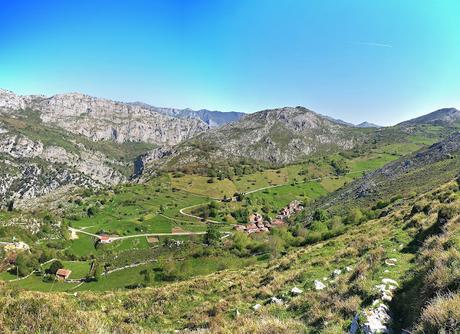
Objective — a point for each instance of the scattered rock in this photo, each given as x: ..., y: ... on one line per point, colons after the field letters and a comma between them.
x: 336, y: 272
x: 256, y: 307
x: 277, y: 301
x: 377, y: 320
x: 389, y: 281
x: 391, y: 262
x: 387, y: 296
x: 296, y: 291
x: 348, y: 269
x: 319, y: 285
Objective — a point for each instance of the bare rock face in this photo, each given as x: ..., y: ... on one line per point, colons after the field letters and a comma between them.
x: 101, y: 119
x: 35, y: 163
x: 10, y: 101
x: 277, y: 135
x: 31, y: 169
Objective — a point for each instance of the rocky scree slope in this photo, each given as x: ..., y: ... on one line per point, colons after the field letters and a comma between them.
x: 414, y: 173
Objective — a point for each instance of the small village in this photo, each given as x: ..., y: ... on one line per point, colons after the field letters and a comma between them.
x: 256, y: 223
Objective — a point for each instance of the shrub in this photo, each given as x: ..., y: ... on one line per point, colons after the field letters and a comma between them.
x: 445, y: 214
x: 320, y: 215
x: 55, y: 266
x: 441, y: 315
x: 212, y: 236
x: 354, y: 216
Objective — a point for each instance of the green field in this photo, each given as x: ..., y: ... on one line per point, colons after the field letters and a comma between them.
x: 154, y: 207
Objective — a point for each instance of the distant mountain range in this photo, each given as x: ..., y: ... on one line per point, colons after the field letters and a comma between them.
x: 75, y: 139
x: 213, y: 118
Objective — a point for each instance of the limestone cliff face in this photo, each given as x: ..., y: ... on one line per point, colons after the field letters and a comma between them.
x: 47, y: 143
x: 30, y: 169
x: 102, y: 119
x: 10, y: 102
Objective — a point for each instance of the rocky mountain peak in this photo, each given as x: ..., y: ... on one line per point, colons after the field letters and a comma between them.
x: 444, y: 116
x: 366, y: 124
x: 10, y: 101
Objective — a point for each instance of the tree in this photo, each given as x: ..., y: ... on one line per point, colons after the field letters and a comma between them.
x: 276, y: 246
x: 146, y: 274
x: 169, y: 271
x: 334, y: 223
x: 55, y: 266
x: 25, y: 263
x: 91, y: 211
x: 212, y: 236
x: 355, y: 216
x: 10, y: 206
x: 239, y: 196
x: 320, y: 215
x: 340, y: 167
x: 241, y: 241
x: 213, y: 209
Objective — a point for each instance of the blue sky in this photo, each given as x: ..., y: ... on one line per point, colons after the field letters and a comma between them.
x: 382, y: 61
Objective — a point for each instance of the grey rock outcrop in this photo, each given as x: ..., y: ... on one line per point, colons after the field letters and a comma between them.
x: 101, y: 119
x: 278, y: 136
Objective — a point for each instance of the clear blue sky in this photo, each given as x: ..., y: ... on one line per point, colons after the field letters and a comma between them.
x: 378, y: 60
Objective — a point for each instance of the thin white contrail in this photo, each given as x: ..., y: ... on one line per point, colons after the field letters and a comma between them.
x: 379, y: 45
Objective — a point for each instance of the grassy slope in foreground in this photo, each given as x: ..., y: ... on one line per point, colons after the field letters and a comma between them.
x: 405, y: 234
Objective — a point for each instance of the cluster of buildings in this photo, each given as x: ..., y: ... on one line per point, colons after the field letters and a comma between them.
x: 293, y: 207
x: 257, y: 224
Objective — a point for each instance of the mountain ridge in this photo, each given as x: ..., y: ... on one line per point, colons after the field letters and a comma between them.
x: 443, y: 116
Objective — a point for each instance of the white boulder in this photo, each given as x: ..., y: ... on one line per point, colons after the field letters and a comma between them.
x: 277, y: 301
x: 256, y: 307
x: 336, y: 273
x: 377, y: 320
x: 319, y: 285
x: 389, y: 281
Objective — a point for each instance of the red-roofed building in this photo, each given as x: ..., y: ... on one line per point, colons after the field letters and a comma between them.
x: 63, y: 274
x: 240, y: 228
x: 255, y: 218
x: 277, y: 222
x: 251, y: 227
x: 105, y: 239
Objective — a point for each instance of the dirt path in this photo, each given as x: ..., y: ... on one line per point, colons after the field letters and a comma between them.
x: 156, y: 235
x: 197, y: 217
x: 257, y: 190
